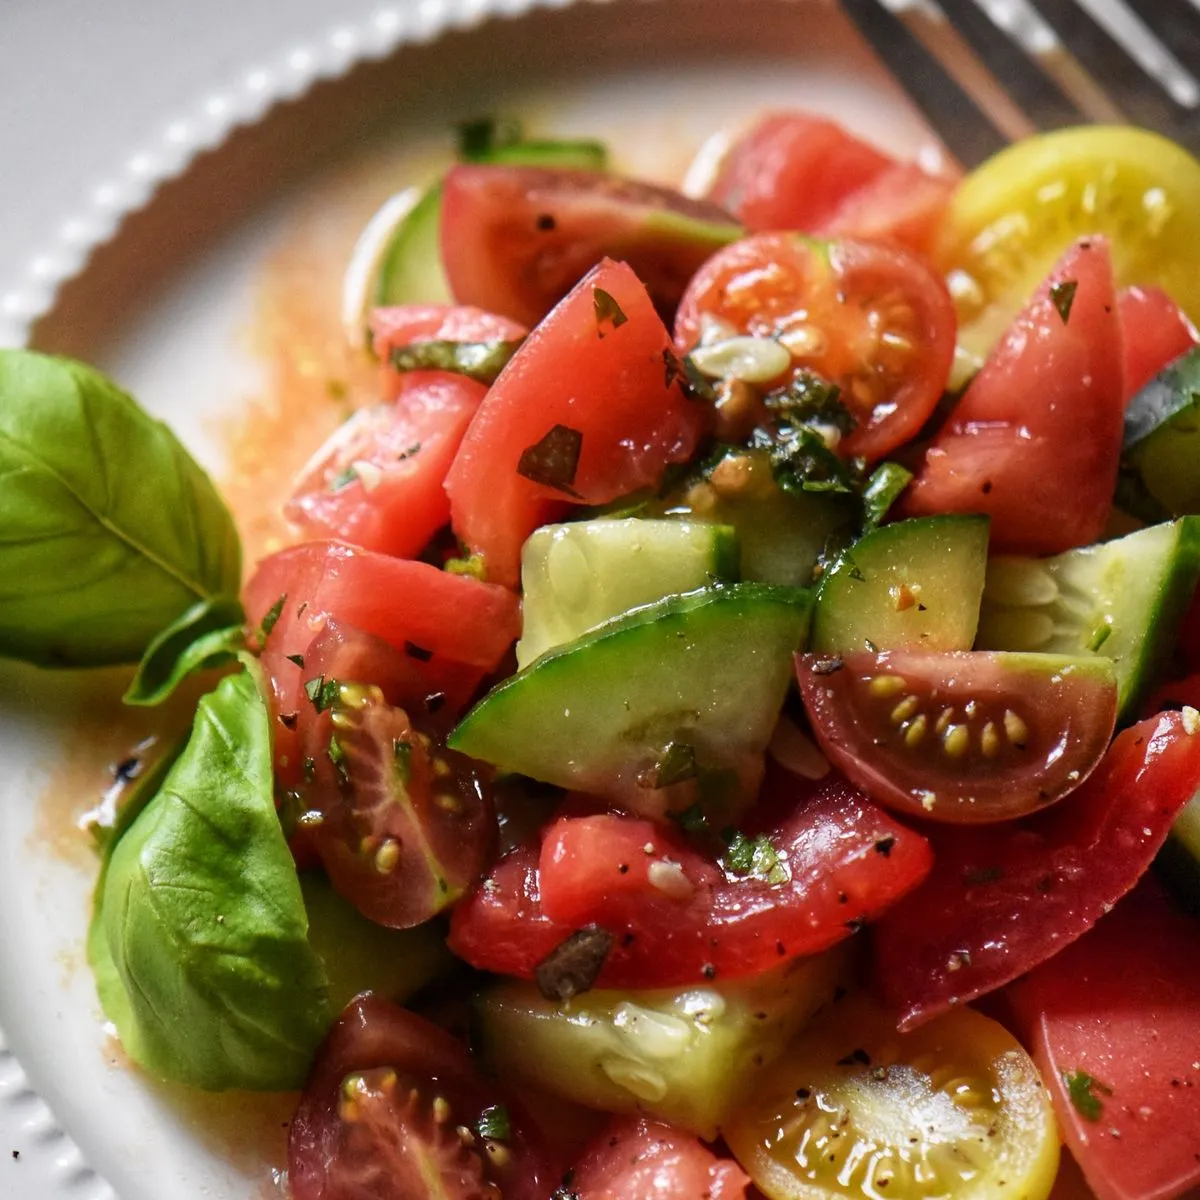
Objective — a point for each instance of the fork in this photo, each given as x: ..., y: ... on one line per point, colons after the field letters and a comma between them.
x: 988, y: 72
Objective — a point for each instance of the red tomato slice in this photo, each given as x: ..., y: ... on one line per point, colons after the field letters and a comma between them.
x: 593, y: 376
x: 516, y: 240
x: 379, y: 480
x: 903, y: 205
x: 637, y: 1159
x: 965, y: 737
x: 1006, y: 898
x: 793, y: 170
x: 404, y: 324
x: 677, y: 915
x: 873, y: 319
x: 381, y: 1114
x: 1157, y: 332
x: 1114, y: 1024
x: 1035, y: 440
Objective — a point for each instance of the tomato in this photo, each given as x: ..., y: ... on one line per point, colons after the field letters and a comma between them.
x: 1006, y: 898
x: 384, y: 1111
x: 1035, y: 440
x: 677, y: 914
x: 903, y: 205
x: 379, y: 480
x: 960, y: 736
x: 953, y: 1111
x: 516, y: 239
x: 404, y: 324
x: 873, y: 319
x: 1157, y: 332
x: 637, y: 1159
x: 585, y: 412
x: 1113, y: 1022
x: 793, y: 170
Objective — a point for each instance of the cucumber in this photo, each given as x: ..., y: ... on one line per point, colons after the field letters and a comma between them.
x: 1162, y: 435
x: 701, y: 676
x: 687, y: 1057
x: 575, y: 577
x: 911, y: 585
x: 411, y: 269
x: 1121, y: 600
x: 1179, y: 860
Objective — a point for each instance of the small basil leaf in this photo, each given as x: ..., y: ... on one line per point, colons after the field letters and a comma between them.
x: 204, y: 964
x: 111, y: 530
x: 883, y: 489
x: 209, y: 634
x: 481, y: 361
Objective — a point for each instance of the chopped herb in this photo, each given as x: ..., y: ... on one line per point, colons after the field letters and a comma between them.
x: 289, y: 720
x: 1081, y: 1090
x: 402, y: 756
x: 493, y: 1123
x: 690, y: 819
x: 1100, y: 635
x: 884, y: 846
x: 696, y: 385
x: 856, y: 1058
x: 471, y: 564
x: 273, y: 614
x: 434, y: 702
x: 800, y: 459
x: 298, y: 659
x: 337, y: 756
x: 573, y: 966
x: 607, y: 310
x: 754, y: 856
x: 883, y: 489
x: 322, y: 692
x: 676, y: 764
x: 343, y: 479
x: 827, y: 666
x: 481, y: 137
x: 408, y: 452
x: 309, y: 768
x: 554, y: 460
x: 481, y: 361
x: 809, y: 399
x: 1063, y: 296
x: 417, y: 652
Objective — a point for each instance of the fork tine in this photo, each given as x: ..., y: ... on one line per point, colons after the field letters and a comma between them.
x: 1174, y: 24
x: 967, y: 131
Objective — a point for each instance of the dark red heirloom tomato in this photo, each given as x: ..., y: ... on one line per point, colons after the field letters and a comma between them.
x: 873, y: 319
x: 1157, y: 331
x: 1036, y: 438
x: 637, y: 1159
x: 1114, y: 1023
x: 965, y: 737
x: 1006, y: 898
x: 586, y: 411
x: 393, y: 1109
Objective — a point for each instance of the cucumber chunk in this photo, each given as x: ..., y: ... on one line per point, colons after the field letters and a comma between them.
x: 688, y: 1057
x: 575, y: 577
x: 1121, y: 600
x: 911, y: 585
x: 1162, y: 435
x: 707, y: 670
x: 1179, y: 861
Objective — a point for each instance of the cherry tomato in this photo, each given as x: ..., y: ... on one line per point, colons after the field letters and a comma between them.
x: 404, y: 324
x: 960, y: 736
x: 1157, y: 332
x: 1035, y: 440
x: 873, y: 319
x: 394, y: 1107
x: 1006, y: 898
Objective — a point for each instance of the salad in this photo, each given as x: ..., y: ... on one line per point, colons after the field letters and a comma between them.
x: 727, y: 722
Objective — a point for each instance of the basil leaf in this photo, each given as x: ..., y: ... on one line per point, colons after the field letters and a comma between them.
x: 111, y: 530
x: 207, y: 970
x: 209, y: 634
x: 481, y: 361
x: 883, y: 489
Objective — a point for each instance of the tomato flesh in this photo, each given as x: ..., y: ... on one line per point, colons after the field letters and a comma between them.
x: 1006, y: 898
x: 873, y: 319
x: 961, y: 736
x: 1035, y: 441
x: 596, y: 372
x: 1157, y: 332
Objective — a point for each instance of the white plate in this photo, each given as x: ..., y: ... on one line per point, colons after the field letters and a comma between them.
x: 166, y: 307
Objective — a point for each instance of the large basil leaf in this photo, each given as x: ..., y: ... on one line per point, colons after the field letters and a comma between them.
x: 111, y: 530
x: 204, y: 925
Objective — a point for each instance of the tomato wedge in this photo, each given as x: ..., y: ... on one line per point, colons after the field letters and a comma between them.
x: 960, y: 736
x: 1112, y: 1022
x: 873, y: 319
x: 381, y: 1115
x: 1035, y: 440
x: 586, y: 411
x: 678, y: 916
x: 1006, y: 898
x: 403, y: 324
x: 1157, y: 332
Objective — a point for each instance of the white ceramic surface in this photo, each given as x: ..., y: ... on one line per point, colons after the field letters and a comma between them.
x: 164, y: 308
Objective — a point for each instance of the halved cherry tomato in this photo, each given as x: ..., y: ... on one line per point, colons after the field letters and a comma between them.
x: 637, y: 1159
x: 1157, y: 332
x: 960, y: 736
x: 379, y: 480
x: 393, y: 1108
x: 1036, y: 439
x: 678, y: 916
x: 1114, y: 1023
x: 873, y: 319
x: 1006, y: 898
x: 403, y: 324
x: 586, y: 411
x: 516, y: 240
x: 793, y: 170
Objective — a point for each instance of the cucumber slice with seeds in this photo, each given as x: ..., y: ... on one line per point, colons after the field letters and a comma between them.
x: 1162, y: 435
